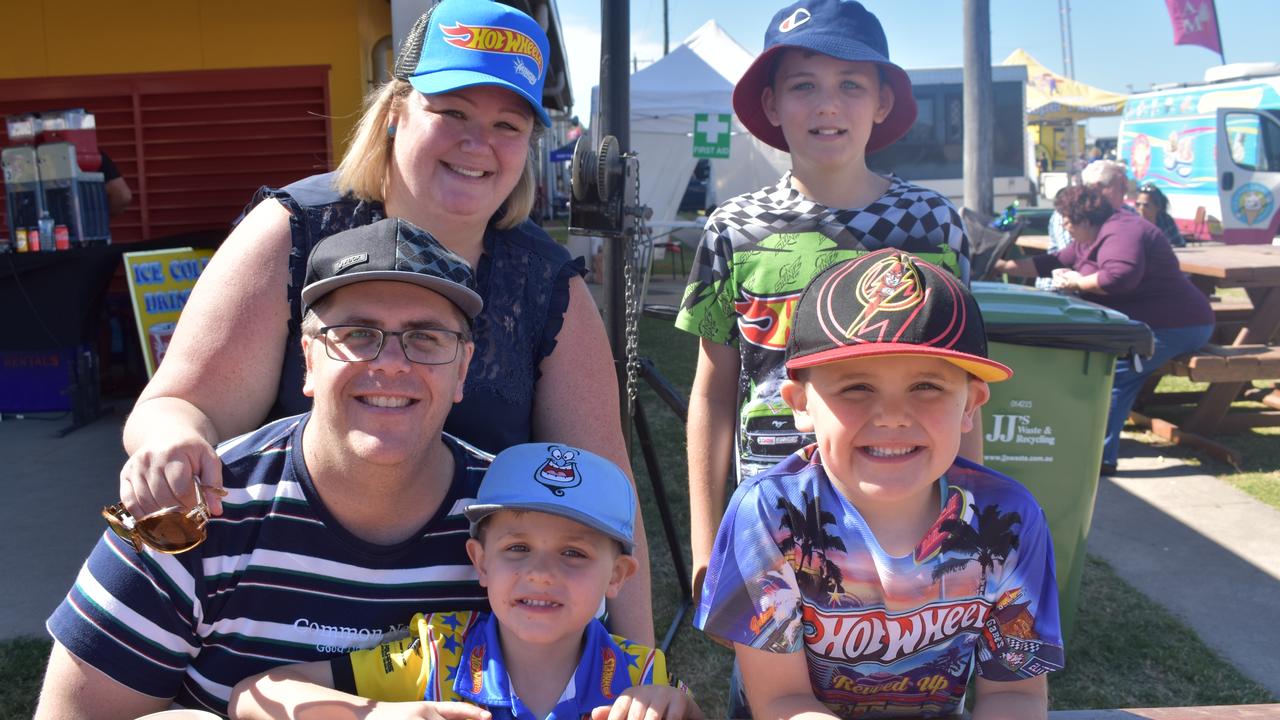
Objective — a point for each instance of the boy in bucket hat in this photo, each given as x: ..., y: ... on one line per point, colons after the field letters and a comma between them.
x: 871, y: 573
x: 824, y: 90
x: 552, y: 531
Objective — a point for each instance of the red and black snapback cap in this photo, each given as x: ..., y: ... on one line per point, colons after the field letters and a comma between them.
x: 889, y: 303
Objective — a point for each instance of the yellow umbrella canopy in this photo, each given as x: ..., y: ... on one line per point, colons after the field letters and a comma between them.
x: 1054, y: 98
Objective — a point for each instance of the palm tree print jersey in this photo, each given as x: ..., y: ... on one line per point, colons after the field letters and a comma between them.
x: 795, y: 567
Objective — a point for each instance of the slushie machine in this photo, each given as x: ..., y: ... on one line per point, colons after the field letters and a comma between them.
x: 55, y: 198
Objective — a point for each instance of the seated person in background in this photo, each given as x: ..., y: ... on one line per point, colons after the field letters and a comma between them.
x: 870, y: 574
x: 337, y: 525
x: 551, y: 538
x: 1119, y: 260
x: 1154, y: 208
x: 1106, y: 176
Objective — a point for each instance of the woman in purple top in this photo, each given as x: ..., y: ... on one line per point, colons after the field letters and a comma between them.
x: 1119, y: 260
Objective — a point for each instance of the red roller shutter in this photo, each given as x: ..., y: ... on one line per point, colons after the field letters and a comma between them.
x: 193, y: 145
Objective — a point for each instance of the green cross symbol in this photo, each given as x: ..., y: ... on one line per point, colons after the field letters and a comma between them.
x: 711, y: 133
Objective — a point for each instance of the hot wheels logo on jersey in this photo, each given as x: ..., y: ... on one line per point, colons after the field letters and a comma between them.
x: 764, y: 320
x: 879, y: 636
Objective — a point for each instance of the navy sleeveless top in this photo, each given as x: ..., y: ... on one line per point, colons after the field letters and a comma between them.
x: 523, y: 278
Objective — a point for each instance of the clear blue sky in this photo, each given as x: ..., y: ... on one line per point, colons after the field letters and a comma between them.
x: 1120, y: 45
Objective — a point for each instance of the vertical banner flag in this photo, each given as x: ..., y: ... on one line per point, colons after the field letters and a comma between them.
x: 711, y: 134
x: 159, y: 283
x: 1195, y: 22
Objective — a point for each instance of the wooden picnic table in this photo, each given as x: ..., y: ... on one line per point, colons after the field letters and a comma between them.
x: 1252, y: 354
x: 1217, y: 712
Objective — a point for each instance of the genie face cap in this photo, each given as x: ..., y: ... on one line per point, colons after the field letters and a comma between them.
x: 561, y: 480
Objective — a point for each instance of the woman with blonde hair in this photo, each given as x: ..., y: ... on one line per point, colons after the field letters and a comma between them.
x: 445, y: 144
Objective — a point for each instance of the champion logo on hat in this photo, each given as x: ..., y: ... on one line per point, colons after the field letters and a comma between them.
x: 795, y: 20
x: 494, y: 40
x: 559, y: 472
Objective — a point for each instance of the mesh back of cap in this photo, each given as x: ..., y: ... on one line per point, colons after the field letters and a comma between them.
x: 411, y: 51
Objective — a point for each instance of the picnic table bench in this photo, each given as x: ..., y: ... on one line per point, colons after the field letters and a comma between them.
x: 1246, y: 348
x: 1216, y: 712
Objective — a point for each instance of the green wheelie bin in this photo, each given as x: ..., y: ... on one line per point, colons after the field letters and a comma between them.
x: 1045, y: 426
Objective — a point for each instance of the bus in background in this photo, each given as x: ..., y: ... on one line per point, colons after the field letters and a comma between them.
x: 1213, y: 148
x: 932, y: 152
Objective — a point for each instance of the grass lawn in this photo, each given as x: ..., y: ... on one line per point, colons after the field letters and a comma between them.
x: 1259, y: 473
x: 1127, y: 651
x: 21, y: 668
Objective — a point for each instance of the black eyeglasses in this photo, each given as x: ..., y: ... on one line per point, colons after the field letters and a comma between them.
x: 361, y: 343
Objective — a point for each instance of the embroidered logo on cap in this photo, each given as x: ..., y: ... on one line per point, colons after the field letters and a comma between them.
x: 523, y: 71
x: 502, y: 40
x: 890, y: 286
x: 559, y: 472
x: 795, y: 20
x: 350, y: 260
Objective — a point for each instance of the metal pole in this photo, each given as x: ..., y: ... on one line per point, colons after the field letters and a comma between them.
x: 979, y: 106
x: 1217, y: 26
x: 1064, y: 28
x: 1068, y: 69
x: 666, y: 30
x: 615, y: 99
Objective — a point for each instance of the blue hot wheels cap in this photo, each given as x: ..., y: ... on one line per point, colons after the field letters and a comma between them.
x: 560, y: 480
x: 464, y: 43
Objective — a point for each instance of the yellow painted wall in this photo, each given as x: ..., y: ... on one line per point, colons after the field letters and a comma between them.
x: 96, y: 37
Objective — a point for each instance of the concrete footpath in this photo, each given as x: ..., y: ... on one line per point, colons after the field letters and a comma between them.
x: 1206, y: 551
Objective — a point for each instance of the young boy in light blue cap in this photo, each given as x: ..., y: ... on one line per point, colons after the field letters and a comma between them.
x: 551, y: 537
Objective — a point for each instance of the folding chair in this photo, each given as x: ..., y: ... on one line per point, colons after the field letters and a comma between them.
x: 987, y: 244
x: 668, y: 242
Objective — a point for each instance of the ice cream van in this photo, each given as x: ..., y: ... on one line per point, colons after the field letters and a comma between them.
x: 1213, y: 148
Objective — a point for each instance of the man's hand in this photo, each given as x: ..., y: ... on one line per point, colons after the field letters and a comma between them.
x: 650, y: 702
x: 162, y: 473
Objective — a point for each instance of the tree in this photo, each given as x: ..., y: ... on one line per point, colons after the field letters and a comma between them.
x: 991, y: 541
x: 807, y: 532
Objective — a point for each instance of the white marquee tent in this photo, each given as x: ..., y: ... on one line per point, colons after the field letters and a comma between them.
x: 696, y: 77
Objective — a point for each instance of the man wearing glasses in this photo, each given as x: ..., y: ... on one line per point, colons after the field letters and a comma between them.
x: 337, y: 525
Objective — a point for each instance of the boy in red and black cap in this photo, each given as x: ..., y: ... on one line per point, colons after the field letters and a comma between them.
x: 824, y: 90
x: 870, y: 574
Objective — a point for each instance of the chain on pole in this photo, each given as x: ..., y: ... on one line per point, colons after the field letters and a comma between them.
x: 633, y: 290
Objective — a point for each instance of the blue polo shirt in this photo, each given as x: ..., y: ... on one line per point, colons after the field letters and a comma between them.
x: 456, y: 656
